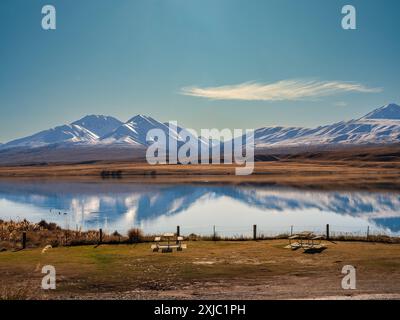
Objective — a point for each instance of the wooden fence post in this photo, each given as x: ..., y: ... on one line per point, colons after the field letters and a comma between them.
x: 178, y: 233
x: 214, y: 234
x: 327, y: 232
x: 101, y: 235
x: 24, y: 240
x: 254, y: 232
x: 291, y: 230
x: 368, y: 233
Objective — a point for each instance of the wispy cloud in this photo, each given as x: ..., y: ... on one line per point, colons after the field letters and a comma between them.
x: 340, y: 104
x: 282, y: 90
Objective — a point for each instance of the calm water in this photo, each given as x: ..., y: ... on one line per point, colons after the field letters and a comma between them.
x: 197, y: 208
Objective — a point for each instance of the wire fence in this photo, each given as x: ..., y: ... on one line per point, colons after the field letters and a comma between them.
x: 262, y: 231
x: 23, y: 234
x: 244, y: 232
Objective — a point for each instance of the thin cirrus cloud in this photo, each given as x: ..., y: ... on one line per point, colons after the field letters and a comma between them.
x: 279, y: 91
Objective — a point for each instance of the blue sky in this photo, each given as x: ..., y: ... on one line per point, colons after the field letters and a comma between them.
x: 124, y: 57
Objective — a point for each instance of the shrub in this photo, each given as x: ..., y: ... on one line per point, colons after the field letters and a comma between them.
x: 48, y: 226
x: 116, y: 234
x: 135, y: 235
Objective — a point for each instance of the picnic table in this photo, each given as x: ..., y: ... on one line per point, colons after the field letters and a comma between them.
x: 305, y: 240
x: 167, y: 242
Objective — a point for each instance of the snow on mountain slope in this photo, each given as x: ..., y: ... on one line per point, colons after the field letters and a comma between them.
x: 98, y: 124
x: 134, y: 131
x: 66, y: 133
x: 85, y: 130
x: 380, y: 126
x: 194, y: 137
x: 390, y: 111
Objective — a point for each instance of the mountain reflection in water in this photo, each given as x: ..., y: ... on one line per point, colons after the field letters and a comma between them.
x: 197, y: 208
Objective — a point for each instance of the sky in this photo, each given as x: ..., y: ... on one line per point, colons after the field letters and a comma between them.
x: 205, y: 63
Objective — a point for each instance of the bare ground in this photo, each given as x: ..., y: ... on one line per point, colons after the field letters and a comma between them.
x: 207, y: 270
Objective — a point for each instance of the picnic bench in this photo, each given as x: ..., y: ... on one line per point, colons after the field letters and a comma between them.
x: 306, y: 240
x: 167, y: 243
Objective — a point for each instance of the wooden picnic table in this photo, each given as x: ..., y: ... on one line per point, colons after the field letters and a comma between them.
x: 305, y: 240
x: 167, y: 242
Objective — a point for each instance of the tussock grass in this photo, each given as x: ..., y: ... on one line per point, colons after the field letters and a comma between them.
x: 15, y: 293
x: 43, y: 233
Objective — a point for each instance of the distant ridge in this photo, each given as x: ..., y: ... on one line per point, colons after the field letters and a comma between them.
x: 96, y: 133
x: 389, y: 112
x: 381, y: 126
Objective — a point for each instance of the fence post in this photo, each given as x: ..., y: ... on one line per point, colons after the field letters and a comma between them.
x: 327, y: 231
x: 254, y: 232
x: 368, y: 233
x: 24, y: 240
x: 101, y: 236
x: 178, y: 233
x: 291, y: 230
x: 214, y: 234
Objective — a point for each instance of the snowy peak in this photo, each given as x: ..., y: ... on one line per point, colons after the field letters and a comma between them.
x: 144, y: 123
x: 381, y: 126
x: 389, y: 112
x: 135, y: 131
x: 141, y: 119
x: 98, y: 124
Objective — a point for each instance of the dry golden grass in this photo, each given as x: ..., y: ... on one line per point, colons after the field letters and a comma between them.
x: 322, y: 174
x: 15, y: 293
x: 43, y: 233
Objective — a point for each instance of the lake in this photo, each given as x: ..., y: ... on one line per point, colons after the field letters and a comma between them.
x: 120, y: 205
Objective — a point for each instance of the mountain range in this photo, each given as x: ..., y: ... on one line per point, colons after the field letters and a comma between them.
x: 381, y: 126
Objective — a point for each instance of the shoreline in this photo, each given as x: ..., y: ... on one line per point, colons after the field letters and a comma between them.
x: 322, y: 175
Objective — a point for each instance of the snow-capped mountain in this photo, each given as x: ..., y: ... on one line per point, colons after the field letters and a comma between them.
x: 134, y: 131
x: 62, y: 134
x: 381, y: 126
x: 98, y: 124
x: 86, y: 130
x: 390, y: 111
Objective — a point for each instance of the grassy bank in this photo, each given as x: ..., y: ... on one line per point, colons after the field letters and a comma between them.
x: 210, y: 270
